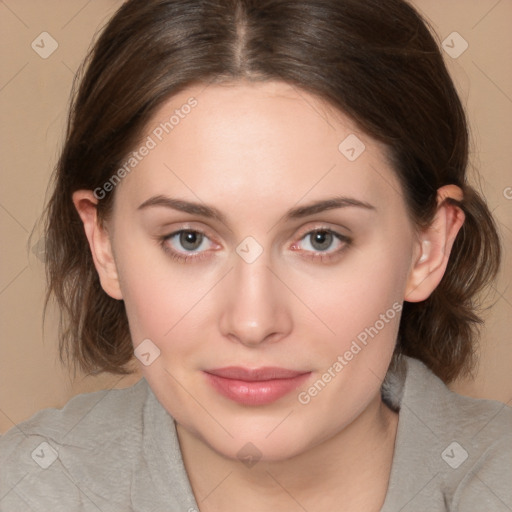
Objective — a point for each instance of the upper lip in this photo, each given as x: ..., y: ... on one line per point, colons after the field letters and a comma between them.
x: 255, y: 374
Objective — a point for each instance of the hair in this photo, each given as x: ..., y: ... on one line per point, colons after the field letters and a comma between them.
x: 375, y: 61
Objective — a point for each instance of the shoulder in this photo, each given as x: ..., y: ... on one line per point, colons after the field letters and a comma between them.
x: 467, y: 442
x: 85, y: 413
x: 42, y: 452
x: 447, y: 410
x: 486, y: 481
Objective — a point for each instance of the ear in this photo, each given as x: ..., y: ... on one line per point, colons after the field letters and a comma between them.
x: 434, y: 245
x: 99, y: 242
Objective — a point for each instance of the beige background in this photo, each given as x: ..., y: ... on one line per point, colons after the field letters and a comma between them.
x: 33, y: 101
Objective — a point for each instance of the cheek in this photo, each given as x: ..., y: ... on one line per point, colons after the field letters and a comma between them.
x: 157, y: 308
x: 155, y: 297
x: 360, y: 300
x: 166, y: 302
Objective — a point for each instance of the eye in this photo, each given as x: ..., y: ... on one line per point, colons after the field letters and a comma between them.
x: 186, y: 244
x: 322, y: 243
x: 319, y: 244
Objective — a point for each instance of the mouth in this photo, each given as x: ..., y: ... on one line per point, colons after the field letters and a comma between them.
x: 258, y: 386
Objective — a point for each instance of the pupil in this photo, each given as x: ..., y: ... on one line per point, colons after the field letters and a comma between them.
x: 190, y: 240
x: 322, y: 240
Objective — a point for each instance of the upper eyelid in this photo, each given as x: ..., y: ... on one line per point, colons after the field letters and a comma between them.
x: 303, y: 232
x: 322, y: 228
x: 186, y: 227
x: 188, y: 224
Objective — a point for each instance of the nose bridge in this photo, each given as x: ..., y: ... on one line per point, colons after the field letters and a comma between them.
x: 255, y: 307
x: 253, y: 281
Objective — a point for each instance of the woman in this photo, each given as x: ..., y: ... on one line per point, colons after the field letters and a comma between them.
x: 266, y: 202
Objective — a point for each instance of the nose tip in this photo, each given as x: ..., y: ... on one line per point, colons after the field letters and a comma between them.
x: 253, y: 334
x: 247, y: 341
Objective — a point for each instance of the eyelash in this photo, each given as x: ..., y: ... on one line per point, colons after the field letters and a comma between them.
x: 321, y: 256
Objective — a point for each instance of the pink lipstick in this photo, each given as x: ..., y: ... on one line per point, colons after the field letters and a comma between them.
x: 258, y: 386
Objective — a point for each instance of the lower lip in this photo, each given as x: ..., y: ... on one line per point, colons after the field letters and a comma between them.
x: 255, y: 392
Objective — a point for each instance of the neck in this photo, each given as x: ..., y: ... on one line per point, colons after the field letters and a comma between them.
x: 348, y: 471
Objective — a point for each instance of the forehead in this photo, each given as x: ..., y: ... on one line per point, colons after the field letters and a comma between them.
x: 257, y: 143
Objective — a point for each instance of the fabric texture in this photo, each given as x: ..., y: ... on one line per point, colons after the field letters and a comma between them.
x: 117, y: 450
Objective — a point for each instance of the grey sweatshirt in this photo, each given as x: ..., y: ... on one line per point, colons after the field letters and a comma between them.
x: 117, y: 450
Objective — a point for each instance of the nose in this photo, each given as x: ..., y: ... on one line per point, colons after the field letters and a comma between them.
x: 254, y: 306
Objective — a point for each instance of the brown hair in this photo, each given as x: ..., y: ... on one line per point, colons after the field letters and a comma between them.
x: 375, y: 60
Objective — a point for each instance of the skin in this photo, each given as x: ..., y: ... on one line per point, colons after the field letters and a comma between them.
x: 254, y: 151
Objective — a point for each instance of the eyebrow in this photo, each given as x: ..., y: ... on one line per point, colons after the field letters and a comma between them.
x: 294, y: 213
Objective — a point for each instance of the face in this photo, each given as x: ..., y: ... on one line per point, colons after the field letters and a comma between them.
x: 265, y: 254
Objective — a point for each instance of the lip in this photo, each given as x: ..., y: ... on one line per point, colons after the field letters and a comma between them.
x: 258, y: 386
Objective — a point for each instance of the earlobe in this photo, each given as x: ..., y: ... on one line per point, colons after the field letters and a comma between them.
x: 99, y: 242
x: 434, y: 246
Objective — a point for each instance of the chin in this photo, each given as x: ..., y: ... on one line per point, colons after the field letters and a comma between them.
x: 251, y: 444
